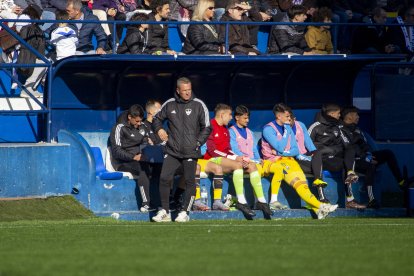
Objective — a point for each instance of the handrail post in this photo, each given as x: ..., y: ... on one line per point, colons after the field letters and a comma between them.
x: 227, y: 39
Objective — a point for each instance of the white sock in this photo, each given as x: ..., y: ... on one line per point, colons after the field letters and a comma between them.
x: 262, y: 199
x: 273, y: 198
x: 241, y: 199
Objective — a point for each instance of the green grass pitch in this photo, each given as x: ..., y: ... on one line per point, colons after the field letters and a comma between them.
x: 97, y: 246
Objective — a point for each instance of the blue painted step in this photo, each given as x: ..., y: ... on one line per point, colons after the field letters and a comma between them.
x: 282, y: 214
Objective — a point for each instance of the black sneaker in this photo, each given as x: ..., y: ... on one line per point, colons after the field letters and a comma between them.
x: 245, y: 209
x: 264, y: 207
x: 373, y: 204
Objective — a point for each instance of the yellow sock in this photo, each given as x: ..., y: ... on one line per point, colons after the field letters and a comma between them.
x: 276, y: 181
x: 198, y: 195
x: 303, y: 191
x: 218, y: 193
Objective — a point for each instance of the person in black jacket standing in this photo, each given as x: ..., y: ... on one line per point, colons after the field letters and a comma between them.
x: 188, y: 129
x: 126, y: 139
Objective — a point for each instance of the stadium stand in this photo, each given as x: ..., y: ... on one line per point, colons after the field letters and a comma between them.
x: 86, y: 94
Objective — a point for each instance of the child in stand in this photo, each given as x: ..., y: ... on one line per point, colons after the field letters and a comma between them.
x: 136, y: 38
x: 64, y: 38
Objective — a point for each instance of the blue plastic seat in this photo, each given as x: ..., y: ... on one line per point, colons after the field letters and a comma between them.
x: 101, y: 171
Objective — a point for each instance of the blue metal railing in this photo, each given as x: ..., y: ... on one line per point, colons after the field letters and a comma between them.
x: 49, y: 65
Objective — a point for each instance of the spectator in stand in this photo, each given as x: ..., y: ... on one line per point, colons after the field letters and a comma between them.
x: 136, y: 38
x: 34, y: 36
x: 203, y: 39
x: 64, y: 37
x: 158, y: 33
x: 126, y: 138
x: 290, y: 39
x: 50, y: 7
x: 182, y: 10
x: 144, y: 5
x: 403, y: 36
x: 368, y: 160
x: 372, y: 39
x: 238, y: 36
x: 337, y: 152
x: 102, y: 9
x: 122, y: 8
x: 318, y: 37
x: 9, y: 10
x: 279, y: 147
x: 86, y: 30
x: 219, y: 151
x: 25, y: 3
x: 343, y: 13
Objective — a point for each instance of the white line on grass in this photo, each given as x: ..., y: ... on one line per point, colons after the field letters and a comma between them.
x: 203, y: 225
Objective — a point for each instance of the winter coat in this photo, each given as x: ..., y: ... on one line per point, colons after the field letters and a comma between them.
x: 135, y: 41
x: 239, y: 37
x: 366, y: 37
x: 188, y: 126
x: 25, y: 3
x: 53, y: 5
x: 126, y: 142
x: 396, y: 36
x: 157, y: 36
x: 34, y: 36
x: 357, y: 139
x: 201, y: 40
x: 327, y: 136
x: 288, y: 39
x: 175, y: 6
x: 318, y: 40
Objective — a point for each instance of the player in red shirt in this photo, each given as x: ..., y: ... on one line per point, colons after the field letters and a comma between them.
x: 219, y: 152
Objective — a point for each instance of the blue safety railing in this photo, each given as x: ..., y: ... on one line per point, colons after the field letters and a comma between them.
x: 49, y: 65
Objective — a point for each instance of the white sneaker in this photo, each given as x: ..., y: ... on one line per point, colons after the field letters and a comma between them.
x: 228, y: 200
x: 35, y: 93
x: 144, y: 209
x: 325, y: 209
x: 182, y: 217
x: 162, y: 216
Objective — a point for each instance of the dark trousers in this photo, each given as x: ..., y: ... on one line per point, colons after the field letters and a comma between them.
x: 141, y: 171
x: 381, y: 156
x: 343, y: 160
x: 169, y: 168
x: 314, y: 167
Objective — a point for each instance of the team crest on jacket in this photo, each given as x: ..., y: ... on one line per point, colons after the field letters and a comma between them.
x: 188, y: 111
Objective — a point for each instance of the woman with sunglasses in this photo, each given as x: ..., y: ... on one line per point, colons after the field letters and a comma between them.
x: 203, y: 39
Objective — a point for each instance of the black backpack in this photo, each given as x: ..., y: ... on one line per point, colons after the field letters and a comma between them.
x: 34, y: 36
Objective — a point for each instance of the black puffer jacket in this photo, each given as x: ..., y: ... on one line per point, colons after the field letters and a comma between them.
x: 157, y: 36
x: 135, y: 41
x: 201, y: 40
x: 357, y: 139
x: 326, y: 133
x: 288, y: 39
x: 188, y: 126
x: 239, y: 37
